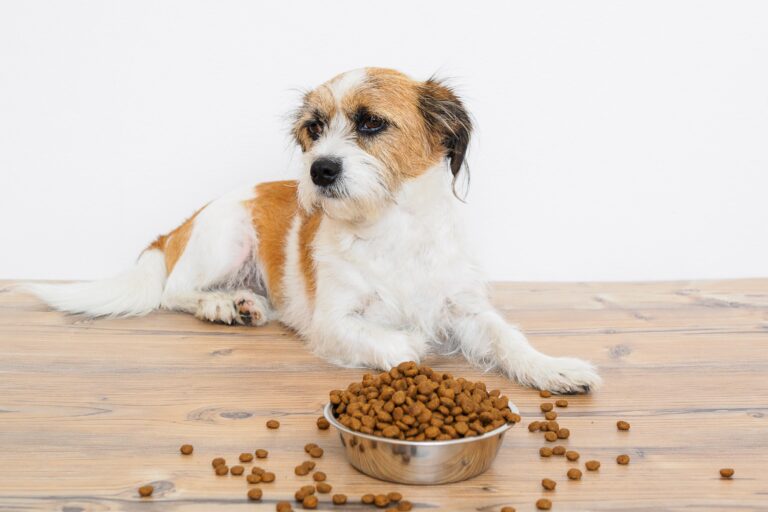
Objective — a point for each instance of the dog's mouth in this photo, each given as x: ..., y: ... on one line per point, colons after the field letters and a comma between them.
x: 333, y: 192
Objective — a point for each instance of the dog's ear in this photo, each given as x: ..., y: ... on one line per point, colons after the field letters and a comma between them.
x: 446, y: 117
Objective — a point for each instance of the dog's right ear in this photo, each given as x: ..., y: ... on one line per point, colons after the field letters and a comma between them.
x: 446, y: 116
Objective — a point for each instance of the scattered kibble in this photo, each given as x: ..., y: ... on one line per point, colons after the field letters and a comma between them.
x: 368, y: 499
x: 301, y: 470
x: 563, y: 433
x: 534, y: 426
x: 283, y: 506
x: 256, y: 470
x: 273, y: 424
x: 146, y: 491
x: 727, y: 472
x: 404, y: 506
x: 304, y: 492
x: 323, y: 423
x: 253, y: 479
x: 381, y: 500
x: 310, y: 464
x: 319, y: 476
x: 508, y: 509
x: 592, y: 465
x: 552, y: 426
x: 546, y: 406
x: 572, y: 455
x: 255, y: 494
x: 316, y: 452
x: 544, y: 393
x: 246, y: 457
x: 218, y: 461
x: 324, y: 487
x: 339, y: 499
x: 543, y: 504
x: 545, y: 451
x: 186, y: 449
x: 309, y: 446
x: 574, y: 474
x: 558, y: 450
x: 309, y: 502
x: 551, y: 437
x: 622, y: 425
x: 394, y: 497
x: 561, y: 403
x: 623, y: 459
x: 261, y: 454
x: 267, y: 477
x: 222, y: 469
x: 548, y: 484
x: 237, y: 470
x: 551, y: 415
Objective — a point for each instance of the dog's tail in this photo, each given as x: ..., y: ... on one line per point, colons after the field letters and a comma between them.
x: 135, y: 292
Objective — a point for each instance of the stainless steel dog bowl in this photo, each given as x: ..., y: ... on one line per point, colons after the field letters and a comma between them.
x: 419, y: 462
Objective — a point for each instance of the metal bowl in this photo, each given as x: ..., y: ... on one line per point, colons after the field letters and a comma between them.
x: 419, y: 462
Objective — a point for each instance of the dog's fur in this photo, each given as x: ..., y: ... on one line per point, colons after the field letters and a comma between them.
x: 371, y: 269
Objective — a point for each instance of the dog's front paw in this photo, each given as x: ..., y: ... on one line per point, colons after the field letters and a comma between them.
x: 564, y: 375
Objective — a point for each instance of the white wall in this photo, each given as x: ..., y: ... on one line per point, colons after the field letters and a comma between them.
x: 615, y: 140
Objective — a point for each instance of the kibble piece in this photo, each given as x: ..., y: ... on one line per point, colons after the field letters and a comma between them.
x: 404, y: 506
x: 273, y: 424
x: 324, y: 487
x: 543, y: 504
x: 558, y: 450
x: 283, y: 506
x: 727, y: 472
x: 309, y: 464
x: 246, y: 457
x: 623, y: 459
x: 551, y: 437
x: 222, y: 469
x: 323, y: 423
x: 394, y: 496
x: 381, y: 501
x: 548, y: 484
x: 218, y: 461
x: 186, y: 449
x: 268, y: 477
x: 544, y: 393
x: 316, y: 452
x: 563, y: 433
x: 237, y: 470
x: 546, y: 406
x: 592, y: 465
x: 256, y: 470
x: 561, y: 403
x: 309, y: 446
x: 339, y: 499
x: 533, y: 426
x: 545, y: 451
x: 309, y: 502
x: 368, y: 499
x: 574, y: 474
x: 253, y: 479
x: 572, y: 455
x: 622, y: 425
x: 301, y: 470
x: 551, y: 415
x: 255, y: 494
x: 552, y: 426
x: 319, y: 477
x: 146, y: 490
x: 261, y: 454
x: 507, y: 509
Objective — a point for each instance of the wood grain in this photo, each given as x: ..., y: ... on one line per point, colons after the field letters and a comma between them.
x: 92, y: 409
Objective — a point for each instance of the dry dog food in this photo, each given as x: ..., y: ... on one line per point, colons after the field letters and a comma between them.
x: 727, y: 472
x: 323, y: 423
x: 574, y: 474
x: 324, y: 487
x: 316, y: 452
x: 310, y: 464
x: 367, y: 499
x: 283, y: 506
x: 301, y: 470
x: 146, y: 490
x: 267, y: 477
x: 222, y: 469
x: 404, y: 506
x: 218, y: 461
x: 546, y: 406
x: 319, y: 476
x: 572, y: 455
x: 592, y: 465
x: 623, y: 459
x: 548, y: 484
x: 544, y: 393
x: 622, y: 425
x: 304, y: 492
x: 534, y: 426
x: 545, y: 451
x: 246, y: 457
x: 394, y: 497
x: 507, y: 509
x: 561, y: 403
x: 186, y: 449
x: 261, y: 454
x: 255, y: 494
x: 381, y: 500
x: 551, y: 415
x: 309, y: 502
x: 253, y: 479
x: 237, y: 470
x: 416, y: 403
x: 543, y: 504
x: 339, y: 499
x: 256, y: 470
x: 552, y: 426
x: 551, y: 436
x: 563, y: 433
x: 273, y: 424
x: 558, y: 450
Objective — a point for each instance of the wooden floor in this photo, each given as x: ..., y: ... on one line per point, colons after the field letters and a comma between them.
x: 91, y: 410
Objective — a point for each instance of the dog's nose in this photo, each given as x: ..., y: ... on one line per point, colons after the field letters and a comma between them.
x: 324, y: 171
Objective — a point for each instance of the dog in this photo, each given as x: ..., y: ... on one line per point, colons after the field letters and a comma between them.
x: 363, y: 255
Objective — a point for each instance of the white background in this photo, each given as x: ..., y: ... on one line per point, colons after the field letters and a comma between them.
x: 615, y: 141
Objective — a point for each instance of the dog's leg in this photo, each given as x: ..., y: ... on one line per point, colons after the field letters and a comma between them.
x: 223, y: 306
x: 488, y: 340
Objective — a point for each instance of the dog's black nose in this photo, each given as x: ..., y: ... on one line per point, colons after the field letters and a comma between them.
x: 324, y: 171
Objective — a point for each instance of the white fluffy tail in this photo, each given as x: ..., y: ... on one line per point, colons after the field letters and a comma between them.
x: 135, y: 292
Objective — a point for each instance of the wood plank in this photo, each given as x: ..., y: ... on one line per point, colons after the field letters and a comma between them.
x: 91, y: 409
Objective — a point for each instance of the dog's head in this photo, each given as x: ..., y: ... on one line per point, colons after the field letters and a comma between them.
x: 366, y: 132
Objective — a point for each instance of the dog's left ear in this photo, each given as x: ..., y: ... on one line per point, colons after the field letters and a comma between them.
x: 446, y: 116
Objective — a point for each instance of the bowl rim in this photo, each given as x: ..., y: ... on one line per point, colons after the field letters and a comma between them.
x: 328, y: 414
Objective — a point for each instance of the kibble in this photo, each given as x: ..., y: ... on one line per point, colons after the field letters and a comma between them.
x: 309, y: 502
x: 545, y: 451
x: 548, y: 484
x: 534, y: 426
x: 394, y: 497
x: 551, y: 436
x: 316, y: 452
x: 146, y: 490
x: 622, y: 425
x: 551, y: 415
x: 253, y: 479
x: 368, y: 499
x: 404, y: 506
x: 623, y: 459
x: 381, y: 501
x: 273, y: 424
x: 572, y: 455
x: 309, y: 464
x: 416, y: 403
x: 301, y: 470
x: 574, y: 474
x: 237, y: 470
x: 261, y: 454
x: 727, y: 472
x: 222, y: 469
x: 304, y: 492
x: 218, y: 461
x: 246, y: 457
x: 563, y: 433
x: 544, y: 393
x: 186, y: 449
x: 324, y: 487
x: 592, y: 465
x: 558, y: 450
x: 507, y: 509
x: 339, y: 499
x: 323, y: 423
x: 546, y: 406
x: 255, y: 494
x: 283, y: 506
x: 256, y: 470
x: 319, y: 477
x: 267, y: 477
x: 543, y: 504
x: 309, y: 446
x: 561, y: 403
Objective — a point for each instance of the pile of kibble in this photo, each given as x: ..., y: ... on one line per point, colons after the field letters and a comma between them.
x: 417, y: 403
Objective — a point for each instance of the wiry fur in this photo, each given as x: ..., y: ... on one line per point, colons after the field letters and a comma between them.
x: 371, y: 270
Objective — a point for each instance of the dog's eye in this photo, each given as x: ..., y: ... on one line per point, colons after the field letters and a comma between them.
x: 369, y: 124
x: 315, y: 129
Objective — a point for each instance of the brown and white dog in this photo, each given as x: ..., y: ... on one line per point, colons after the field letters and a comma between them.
x: 363, y: 255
